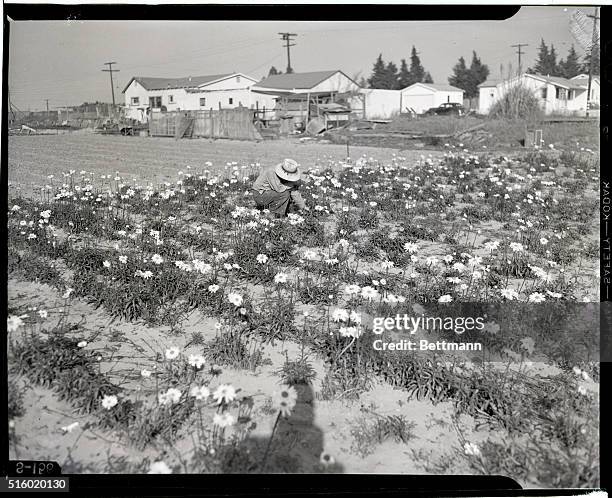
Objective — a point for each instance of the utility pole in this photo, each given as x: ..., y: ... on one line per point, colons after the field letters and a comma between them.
x: 111, y: 71
x: 519, y: 45
x: 286, y: 37
x: 595, y: 18
x: 47, y: 101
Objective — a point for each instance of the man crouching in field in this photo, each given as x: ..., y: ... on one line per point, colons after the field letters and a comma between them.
x: 276, y: 189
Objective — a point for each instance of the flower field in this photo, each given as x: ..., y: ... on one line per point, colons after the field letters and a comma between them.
x: 174, y: 328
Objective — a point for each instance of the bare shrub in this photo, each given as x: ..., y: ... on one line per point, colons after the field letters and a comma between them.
x: 518, y: 102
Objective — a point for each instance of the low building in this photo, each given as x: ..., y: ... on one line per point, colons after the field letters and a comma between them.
x: 555, y: 94
x: 420, y: 97
x: 377, y: 103
x: 221, y: 91
x: 417, y: 98
x: 299, y: 95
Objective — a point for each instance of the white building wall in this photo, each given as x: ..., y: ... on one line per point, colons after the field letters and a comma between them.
x: 420, y: 98
x: 441, y: 97
x: 486, y: 98
x: 216, y: 95
x: 379, y: 104
x: 336, y: 83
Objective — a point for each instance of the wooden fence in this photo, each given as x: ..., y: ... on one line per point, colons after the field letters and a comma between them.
x: 223, y: 123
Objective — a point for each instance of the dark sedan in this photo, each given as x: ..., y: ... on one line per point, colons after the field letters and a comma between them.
x: 445, y: 109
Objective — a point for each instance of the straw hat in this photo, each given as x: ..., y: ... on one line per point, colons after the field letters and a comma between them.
x: 288, y: 170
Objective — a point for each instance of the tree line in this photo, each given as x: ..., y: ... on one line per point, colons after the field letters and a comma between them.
x: 571, y: 66
x: 386, y: 75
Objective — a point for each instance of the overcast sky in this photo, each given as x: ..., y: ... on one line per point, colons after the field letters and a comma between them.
x: 62, y: 61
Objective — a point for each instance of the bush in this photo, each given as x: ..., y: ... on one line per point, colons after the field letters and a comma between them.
x: 519, y: 102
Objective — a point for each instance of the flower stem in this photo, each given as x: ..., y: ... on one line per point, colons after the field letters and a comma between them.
x: 265, y: 457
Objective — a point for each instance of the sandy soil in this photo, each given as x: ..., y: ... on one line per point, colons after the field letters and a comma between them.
x: 155, y: 159
x: 40, y: 434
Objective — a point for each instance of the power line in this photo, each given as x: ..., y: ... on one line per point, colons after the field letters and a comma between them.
x: 76, y: 80
x: 286, y: 37
x: 270, y: 61
x: 519, y: 45
x: 111, y: 71
x: 595, y: 18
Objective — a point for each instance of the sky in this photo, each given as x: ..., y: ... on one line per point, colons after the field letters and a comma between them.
x: 62, y: 61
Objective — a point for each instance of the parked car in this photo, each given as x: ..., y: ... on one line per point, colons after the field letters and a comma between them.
x: 445, y: 109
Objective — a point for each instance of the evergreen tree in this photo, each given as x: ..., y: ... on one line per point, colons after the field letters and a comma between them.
x: 541, y: 65
x: 417, y: 71
x: 459, y: 77
x: 552, y: 67
x: 596, y: 62
x: 273, y: 71
x: 379, y: 72
x: 363, y: 83
x: 427, y: 78
x: 391, y: 77
x: 571, y: 66
x: 477, y: 74
x: 404, y: 75
x: 468, y: 79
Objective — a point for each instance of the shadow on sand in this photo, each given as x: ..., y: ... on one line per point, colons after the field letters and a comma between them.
x: 297, y: 446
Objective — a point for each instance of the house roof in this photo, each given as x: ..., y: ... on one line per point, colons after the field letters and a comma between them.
x: 295, y: 81
x: 579, y: 81
x: 489, y: 83
x: 583, y: 79
x: 437, y: 88
x: 561, y: 82
x: 186, y: 82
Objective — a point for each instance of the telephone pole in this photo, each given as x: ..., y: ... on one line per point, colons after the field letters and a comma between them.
x: 111, y: 71
x: 595, y: 18
x: 47, y: 101
x: 286, y: 37
x: 519, y: 45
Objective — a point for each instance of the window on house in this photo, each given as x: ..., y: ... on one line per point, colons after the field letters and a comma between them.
x: 202, y: 102
x: 592, y: 94
x: 231, y: 101
x: 155, y: 102
x: 544, y: 93
x: 135, y: 100
x: 491, y: 95
x: 560, y: 93
x: 171, y: 99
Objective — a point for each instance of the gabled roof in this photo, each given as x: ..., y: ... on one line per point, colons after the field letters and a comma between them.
x: 489, y: 83
x: 296, y: 81
x: 577, y: 82
x: 187, y: 82
x: 436, y: 87
x: 583, y: 79
x: 560, y: 82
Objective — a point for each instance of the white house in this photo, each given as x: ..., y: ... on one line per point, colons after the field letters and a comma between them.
x: 555, y: 94
x: 191, y: 93
x: 423, y: 96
